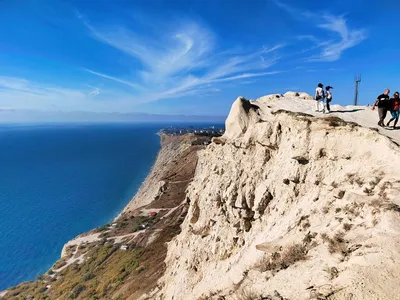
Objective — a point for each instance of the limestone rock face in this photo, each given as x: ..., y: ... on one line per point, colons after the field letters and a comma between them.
x: 290, y: 206
x: 241, y: 115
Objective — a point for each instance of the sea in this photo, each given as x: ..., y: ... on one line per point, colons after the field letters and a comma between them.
x: 60, y: 180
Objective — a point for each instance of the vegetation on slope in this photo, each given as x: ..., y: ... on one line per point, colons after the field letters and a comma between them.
x: 105, y: 269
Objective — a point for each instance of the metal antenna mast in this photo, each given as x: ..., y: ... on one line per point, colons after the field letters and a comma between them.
x: 357, y: 80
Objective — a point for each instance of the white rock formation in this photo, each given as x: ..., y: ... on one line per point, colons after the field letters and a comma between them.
x: 291, y: 205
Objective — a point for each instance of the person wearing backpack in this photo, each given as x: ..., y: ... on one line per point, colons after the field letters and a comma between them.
x: 394, y: 109
x: 382, y: 101
x: 328, y: 98
x: 319, y: 98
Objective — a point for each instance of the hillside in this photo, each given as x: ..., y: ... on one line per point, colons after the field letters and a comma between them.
x: 288, y: 204
x: 125, y: 259
x: 291, y: 205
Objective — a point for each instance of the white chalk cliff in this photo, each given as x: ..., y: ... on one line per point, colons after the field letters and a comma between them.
x: 287, y: 205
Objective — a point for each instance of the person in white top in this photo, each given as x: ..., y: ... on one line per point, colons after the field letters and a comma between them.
x: 319, y: 98
x: 328, y: 95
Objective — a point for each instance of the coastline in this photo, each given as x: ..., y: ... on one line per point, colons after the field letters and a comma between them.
x: 162, y: 194
x: 78, y: 178
x: 90, y: 236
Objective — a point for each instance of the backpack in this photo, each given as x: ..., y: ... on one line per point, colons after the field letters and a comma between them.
x: 328, y: 96
x: 319, y: 95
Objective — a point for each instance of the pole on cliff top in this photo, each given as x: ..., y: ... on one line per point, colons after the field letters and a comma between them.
x: 357, y: 80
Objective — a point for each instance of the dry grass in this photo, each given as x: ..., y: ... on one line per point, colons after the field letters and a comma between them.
x: 368, y: 191
x: 347, y: 226
x: 338, y: 244
x: 375, y: 182
x: 354, y: 178
x: 382, y: 192
x: 247, y: 294
x: 353, y: 208
x: 304, y: 222
x: 392, y: 207
x: 325, y: 237
x: 332, y: 272
x: 325, y: 209
x: 384, y: 205
x: 283, y: 260
x: 306, y: 225
x: 338, y: 122
x: 309, y: 237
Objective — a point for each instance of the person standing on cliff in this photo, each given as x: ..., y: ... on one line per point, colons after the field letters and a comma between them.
x: 382, y: 101
x: 328, y: 98
x: 394, y: 109
x: 319, y: 98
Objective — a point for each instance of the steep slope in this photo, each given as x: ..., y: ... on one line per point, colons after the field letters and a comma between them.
x: 290, y: 206
x: 125, y: 259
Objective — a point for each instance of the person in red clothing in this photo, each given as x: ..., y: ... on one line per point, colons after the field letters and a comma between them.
x: 394, y: 109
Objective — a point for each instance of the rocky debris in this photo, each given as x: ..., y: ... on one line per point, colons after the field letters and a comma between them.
x: 313, y: 200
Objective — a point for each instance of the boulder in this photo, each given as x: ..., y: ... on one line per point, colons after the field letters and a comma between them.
x: 305, y: 96
x: 242, y: 114
x: 291, y: 94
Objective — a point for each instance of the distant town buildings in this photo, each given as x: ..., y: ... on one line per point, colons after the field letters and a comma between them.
x: 201, y: 131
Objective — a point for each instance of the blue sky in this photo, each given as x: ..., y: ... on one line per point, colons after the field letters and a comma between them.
x: 191, y: 57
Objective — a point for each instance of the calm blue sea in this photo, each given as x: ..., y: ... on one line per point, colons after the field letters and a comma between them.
x: 57, y: 181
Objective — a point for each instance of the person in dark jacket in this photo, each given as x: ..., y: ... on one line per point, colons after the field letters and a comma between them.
x: 382, y: 101
x: 394, y: 109
x: 328, y: 95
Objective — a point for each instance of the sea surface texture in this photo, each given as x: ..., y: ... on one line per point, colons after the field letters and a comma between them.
x: 57, y: 181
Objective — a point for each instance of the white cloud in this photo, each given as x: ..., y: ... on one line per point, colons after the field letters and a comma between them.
x: 20, y: 93
x: 348, y: 38
x: 131, y: 84
x: 332, y: 49
x: 179, y: 59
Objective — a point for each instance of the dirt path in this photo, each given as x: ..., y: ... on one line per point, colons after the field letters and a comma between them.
x: 77, y: 241
x: 362, y: 115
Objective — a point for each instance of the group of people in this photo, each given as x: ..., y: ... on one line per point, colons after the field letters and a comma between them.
x: 320, y: 96
x: 385, y: 104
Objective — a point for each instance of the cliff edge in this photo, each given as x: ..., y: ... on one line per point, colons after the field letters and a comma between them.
x: 124, y: 259
x: 291, y: 205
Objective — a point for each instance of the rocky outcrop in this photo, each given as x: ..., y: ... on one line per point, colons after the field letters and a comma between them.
x: 289, y: 206
x: 305, y: 96
x: 242, y: 114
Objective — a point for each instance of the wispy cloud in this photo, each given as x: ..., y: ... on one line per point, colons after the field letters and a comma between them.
x: 332, y: 49
x: 180, y: 59
x: 348, y: 37
x: 20, y: 93
x: 131, y: 84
